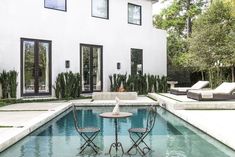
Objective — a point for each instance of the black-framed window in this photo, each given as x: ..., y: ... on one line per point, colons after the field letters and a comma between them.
x: 56, y: 4
x: 136, y: 61
x: 100, y: 8
x: 134, y: 14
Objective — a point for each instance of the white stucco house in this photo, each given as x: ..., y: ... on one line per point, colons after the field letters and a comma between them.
x: 41, y: 38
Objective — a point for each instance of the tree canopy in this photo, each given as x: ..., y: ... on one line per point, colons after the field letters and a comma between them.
x: 211, y: 44
x: 213, y: 39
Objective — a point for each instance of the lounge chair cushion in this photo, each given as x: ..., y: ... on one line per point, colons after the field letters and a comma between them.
x: 226, y: 88
x: 222, y: 92
x: 207, y: 94
x: 200, y: 84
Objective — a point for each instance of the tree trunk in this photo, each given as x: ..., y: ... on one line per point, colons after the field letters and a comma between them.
x: 189, y: 20
x: 210, y: 78
x: 232, y: 70
x: 202, y: 74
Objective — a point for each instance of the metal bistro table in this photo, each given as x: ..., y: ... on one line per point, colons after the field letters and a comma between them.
x: 116, y: 144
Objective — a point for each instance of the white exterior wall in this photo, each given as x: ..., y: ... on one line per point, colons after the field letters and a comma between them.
x: 66, y: 30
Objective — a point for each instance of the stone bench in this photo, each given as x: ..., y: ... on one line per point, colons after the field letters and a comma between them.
x: 112, y: 95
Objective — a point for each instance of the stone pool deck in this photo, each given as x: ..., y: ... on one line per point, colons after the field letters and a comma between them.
x: 19, y: 120
x: 216, y: 118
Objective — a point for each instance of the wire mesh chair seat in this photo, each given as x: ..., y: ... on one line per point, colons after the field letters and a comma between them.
x: 88, y: 129
x: 141, y: 133
x: 138, y: 130
x: 87, y: 133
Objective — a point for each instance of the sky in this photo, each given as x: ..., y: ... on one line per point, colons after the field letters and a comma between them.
x: 157, y: 7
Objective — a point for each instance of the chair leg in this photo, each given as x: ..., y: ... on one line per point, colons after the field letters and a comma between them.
x: 134, y: 145
x: 137, y: 143
x: 89, y: 142
x: 141, y: 137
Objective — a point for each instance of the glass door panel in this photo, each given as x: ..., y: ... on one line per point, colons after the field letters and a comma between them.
x: 96, y: 68
x: 28, y: 67
x: 86, y: 78
x: 91, y: 64
x: 43, y: 67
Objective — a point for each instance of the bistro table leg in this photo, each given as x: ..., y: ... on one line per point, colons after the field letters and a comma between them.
x: 116, y: 144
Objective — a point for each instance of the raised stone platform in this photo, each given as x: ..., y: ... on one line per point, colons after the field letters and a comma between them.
x: 112, y: 95
x: 215, y: 118
x: 181, y: 102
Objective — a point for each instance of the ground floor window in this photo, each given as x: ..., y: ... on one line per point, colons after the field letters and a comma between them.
x: 91, y: 67
x: 35, y: 67
x: 136, y: 61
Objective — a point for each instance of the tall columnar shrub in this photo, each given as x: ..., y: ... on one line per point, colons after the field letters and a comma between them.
x: 117, y: 80
x: 5, y: 84
x: 57, y: 86
x: 67, y: 85
x: 9, y: 84
x: 139, y: 83
x: 162, y: 84
x: 76, y: 86
x: 12, y: 79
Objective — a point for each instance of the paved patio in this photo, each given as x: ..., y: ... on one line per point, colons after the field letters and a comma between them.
x: 207, y: 116
x: 18, y: 120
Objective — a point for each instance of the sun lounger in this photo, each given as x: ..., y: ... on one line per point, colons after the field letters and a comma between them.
x: 184, y: 90
x: 222, y: 92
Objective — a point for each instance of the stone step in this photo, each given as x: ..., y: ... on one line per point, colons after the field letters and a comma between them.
x: 112, y: 95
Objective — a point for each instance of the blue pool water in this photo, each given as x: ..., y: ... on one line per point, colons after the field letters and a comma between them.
x: 170, y: 137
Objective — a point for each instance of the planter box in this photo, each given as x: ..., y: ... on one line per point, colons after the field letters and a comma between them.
x: 112, y: 95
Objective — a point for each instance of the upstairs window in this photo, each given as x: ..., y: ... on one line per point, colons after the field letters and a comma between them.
x: 56, y: 4
x: 134, y: 14
x: 100, y: 8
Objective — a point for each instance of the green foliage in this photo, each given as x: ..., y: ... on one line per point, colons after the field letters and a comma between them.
x: 57, y: 86
x: 67, y: 85
x: 12, y: 78
x: 213, y: 41
x: 138, y: 83
x: 177, y: 19
x: 174, y: 18
x: 9, y: 84
x: 5, y: 84
x: 176, y: 46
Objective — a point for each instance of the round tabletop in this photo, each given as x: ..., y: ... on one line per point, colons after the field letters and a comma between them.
x: 111, y: 115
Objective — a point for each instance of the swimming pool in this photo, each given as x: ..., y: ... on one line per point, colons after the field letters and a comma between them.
x: 170, y: 137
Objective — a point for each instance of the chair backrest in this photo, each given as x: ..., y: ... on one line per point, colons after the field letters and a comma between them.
x: 151, y: 118
x: 75, y: 120
x: 226, y: 88
x: 200, y: 85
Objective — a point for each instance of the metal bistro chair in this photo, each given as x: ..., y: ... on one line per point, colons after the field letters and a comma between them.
x: 141, y: 133
x: 87, y: 133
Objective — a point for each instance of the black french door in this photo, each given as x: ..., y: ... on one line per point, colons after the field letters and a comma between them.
x: 91, y: 68
x: 35, y: 67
